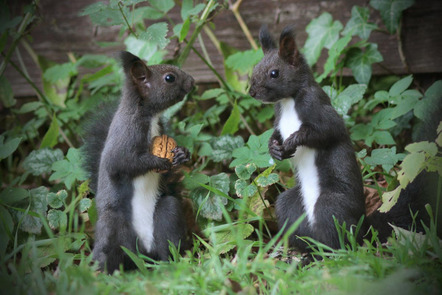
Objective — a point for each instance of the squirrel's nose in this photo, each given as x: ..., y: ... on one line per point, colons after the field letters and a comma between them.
x: 252, y: 92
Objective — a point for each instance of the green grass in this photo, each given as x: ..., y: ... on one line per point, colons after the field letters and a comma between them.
x: 408, y: 264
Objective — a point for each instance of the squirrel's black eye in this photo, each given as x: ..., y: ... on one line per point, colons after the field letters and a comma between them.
x: 274, y: 74
x: 169, y: 78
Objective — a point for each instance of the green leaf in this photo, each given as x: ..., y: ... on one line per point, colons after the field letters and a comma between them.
x: 39, y: 205
x: 389, y: 199
x: 333, y: 56
x: 226, y: 238
x: 6, y: 228
x: 411, y: 166
x: 386, y: 157
x: 347, y: 98
x: 424, y: 146
x: 102, y: 14
x: 322, y: 32
x: 57, y: 200
x: 148, y: 12
x: 223, y: 146
x: 400, y: 86
x: 84, y: 204
x: 244, y: 61
x: 60, y: 71
x: 244, y: 189
x: 40, y: 161
x: 13, y: 195
x: 391, y: 11
x: 245, y: 171
x: 212, y: 93
x: 70, y: 169
x: 51, y: 137
x: 156, y: 34
x: 255, y: 152
x: 208, y: 201
x: 358, y: 23
x: 7, y: 148
x: 383, y: 138
x: 6, y: 94
x: 360, y: 62
x: 193, y: 180
x: 265, y: 181
x: 231, y: 125
x: 187, y: 9
x: 57, y: 219
x: 430, y: 102
x: 162, y: 5
x: 184, y: 30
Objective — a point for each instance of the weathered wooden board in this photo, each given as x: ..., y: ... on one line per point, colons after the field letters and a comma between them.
x: 60, y: 30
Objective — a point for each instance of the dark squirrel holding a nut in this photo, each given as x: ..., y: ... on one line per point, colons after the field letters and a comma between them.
x: 133, y: 210
x: 309, y: 132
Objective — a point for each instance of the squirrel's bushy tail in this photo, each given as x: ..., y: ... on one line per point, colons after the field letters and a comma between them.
x: 95, y: 130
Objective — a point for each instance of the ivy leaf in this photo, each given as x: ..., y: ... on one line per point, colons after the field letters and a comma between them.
x: 385, y: 157
x: 56, y: 200
x: 51, y: 137
x: 40, y: 161
x: 231, y: 125
x: 7, y: 148
x: 57, y: 219
x: 391, y: 11
x: 244, y: 61
x: 360, y: 62
x: 6, y: 94
x: 245, y: 171
x: 223, y: 146
x: 358, y: 23
x: 156, y: 34
x: 322, y: 32
x: 70, y: 169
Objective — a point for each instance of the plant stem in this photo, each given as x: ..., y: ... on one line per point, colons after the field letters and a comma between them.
x: 11, y: 49
x: 235, y: 10
x: 120, y: 7
x: 183, y: 56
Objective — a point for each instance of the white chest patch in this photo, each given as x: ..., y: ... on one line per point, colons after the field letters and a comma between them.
x: 146, y: 193
x: 303, y: 160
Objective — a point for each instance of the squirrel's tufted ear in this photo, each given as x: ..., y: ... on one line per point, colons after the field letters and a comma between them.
x: 266, y: 39
x: 288, y: 50
x: 139, y: 71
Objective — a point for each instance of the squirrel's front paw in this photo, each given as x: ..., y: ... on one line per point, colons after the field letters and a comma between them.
x: 181, y: 155
x: 276, y: 150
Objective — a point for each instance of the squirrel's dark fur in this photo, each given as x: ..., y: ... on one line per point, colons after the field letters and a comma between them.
x: 309, y: 131
x: 133, y: 210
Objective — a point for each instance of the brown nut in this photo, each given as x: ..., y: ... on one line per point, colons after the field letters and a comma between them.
x: 163, y: 146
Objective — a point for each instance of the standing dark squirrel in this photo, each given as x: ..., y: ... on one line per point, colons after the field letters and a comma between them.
x: 133, y: 210
x: 309, y: 132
